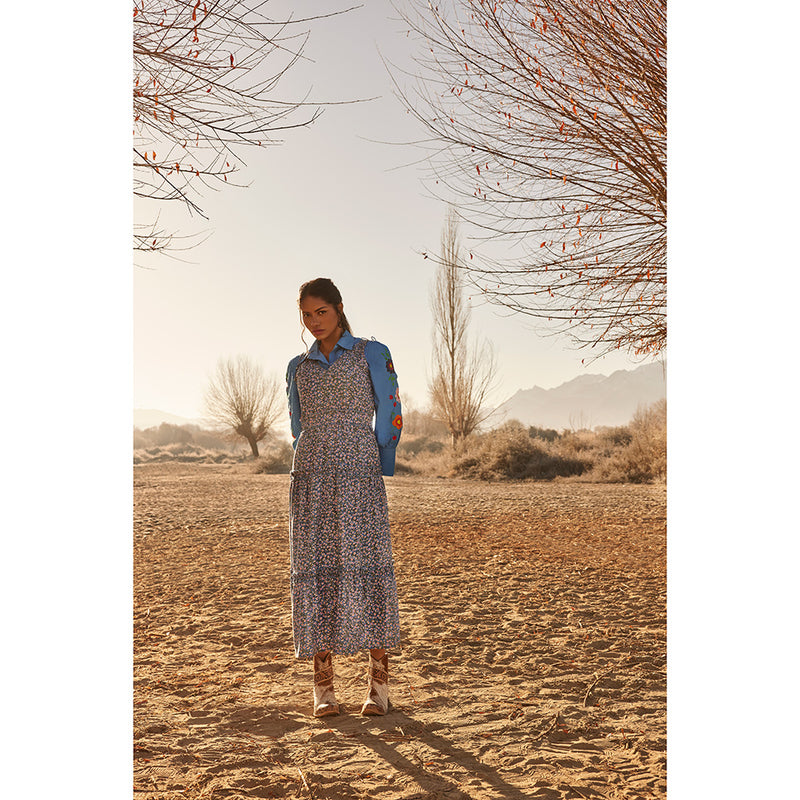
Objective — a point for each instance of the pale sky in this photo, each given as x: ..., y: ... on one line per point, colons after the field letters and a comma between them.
x: 342, y: 198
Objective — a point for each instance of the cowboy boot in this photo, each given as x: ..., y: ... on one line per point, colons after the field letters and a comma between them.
x: 377, y: 700
x: 324, y: 698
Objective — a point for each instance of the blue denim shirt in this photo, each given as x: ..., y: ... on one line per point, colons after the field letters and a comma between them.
x: 388, y: 411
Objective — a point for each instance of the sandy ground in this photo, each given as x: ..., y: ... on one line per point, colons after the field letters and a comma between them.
x: 533, y: 662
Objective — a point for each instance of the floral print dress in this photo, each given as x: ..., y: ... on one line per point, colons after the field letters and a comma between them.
x: 344, y: 595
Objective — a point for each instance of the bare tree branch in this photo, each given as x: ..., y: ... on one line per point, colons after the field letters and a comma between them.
x: 206, y: 76
x: 549, y: 124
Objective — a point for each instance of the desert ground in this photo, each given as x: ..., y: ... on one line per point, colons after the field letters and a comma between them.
x: 533, y: 662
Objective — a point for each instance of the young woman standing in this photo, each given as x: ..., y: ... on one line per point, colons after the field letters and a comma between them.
x: 344, y: 596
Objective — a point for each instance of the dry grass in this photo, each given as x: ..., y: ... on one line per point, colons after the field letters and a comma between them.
x: 633, y: 453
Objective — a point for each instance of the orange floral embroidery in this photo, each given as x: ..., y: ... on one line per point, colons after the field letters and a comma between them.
x: 398, y: 422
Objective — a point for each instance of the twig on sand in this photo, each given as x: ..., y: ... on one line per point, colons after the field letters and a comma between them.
x: 548, y: 729
x: 305, y: 783
x: 589, y: 690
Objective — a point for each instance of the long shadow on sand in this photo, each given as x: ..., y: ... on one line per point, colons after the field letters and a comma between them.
x: 446, y: 749
x: 378, y: 733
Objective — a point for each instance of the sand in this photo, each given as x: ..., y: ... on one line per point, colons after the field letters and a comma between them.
x: 533, y: 663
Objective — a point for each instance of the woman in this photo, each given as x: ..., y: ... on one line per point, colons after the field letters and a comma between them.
x: 344, y: 596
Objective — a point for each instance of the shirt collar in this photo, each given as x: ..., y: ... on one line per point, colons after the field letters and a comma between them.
x: 346, y: 342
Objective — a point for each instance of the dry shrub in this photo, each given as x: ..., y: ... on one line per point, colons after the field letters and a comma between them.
x: 548, y: 434
x: 643, y: 457
x: 188, y: 443
x: 510, y: 453
x: 647, y: 452
x: 412, y: 446
x: 633, y: 453
x: 187, y: 453
x: 165, y: 434
x: 572, y: 444
x: 276, y: 459
x: 424, y: 448
x: 433, y: 458
x: 403, y: 468
x: 611, y: 437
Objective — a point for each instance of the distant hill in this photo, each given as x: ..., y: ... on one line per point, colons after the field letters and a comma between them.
x: 144, y: 418
x: 587, y: 401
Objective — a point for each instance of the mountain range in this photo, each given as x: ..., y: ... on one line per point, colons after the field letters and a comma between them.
x: 587, y: 401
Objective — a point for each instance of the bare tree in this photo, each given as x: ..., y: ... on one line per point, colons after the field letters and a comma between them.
x: 243, y: 400
x: 206, y: 75
x: 462, y: 372
x: 548, y: 119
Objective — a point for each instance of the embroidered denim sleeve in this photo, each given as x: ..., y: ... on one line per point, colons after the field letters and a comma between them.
x: 293, y: 398
x: 388, y: 411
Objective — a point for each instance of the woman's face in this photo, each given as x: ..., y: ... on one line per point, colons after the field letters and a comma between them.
x: 320, y: 318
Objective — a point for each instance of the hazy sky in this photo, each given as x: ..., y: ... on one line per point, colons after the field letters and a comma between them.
x: 343, y: 198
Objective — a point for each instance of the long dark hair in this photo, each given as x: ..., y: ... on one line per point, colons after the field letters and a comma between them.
x: 326, y: 290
